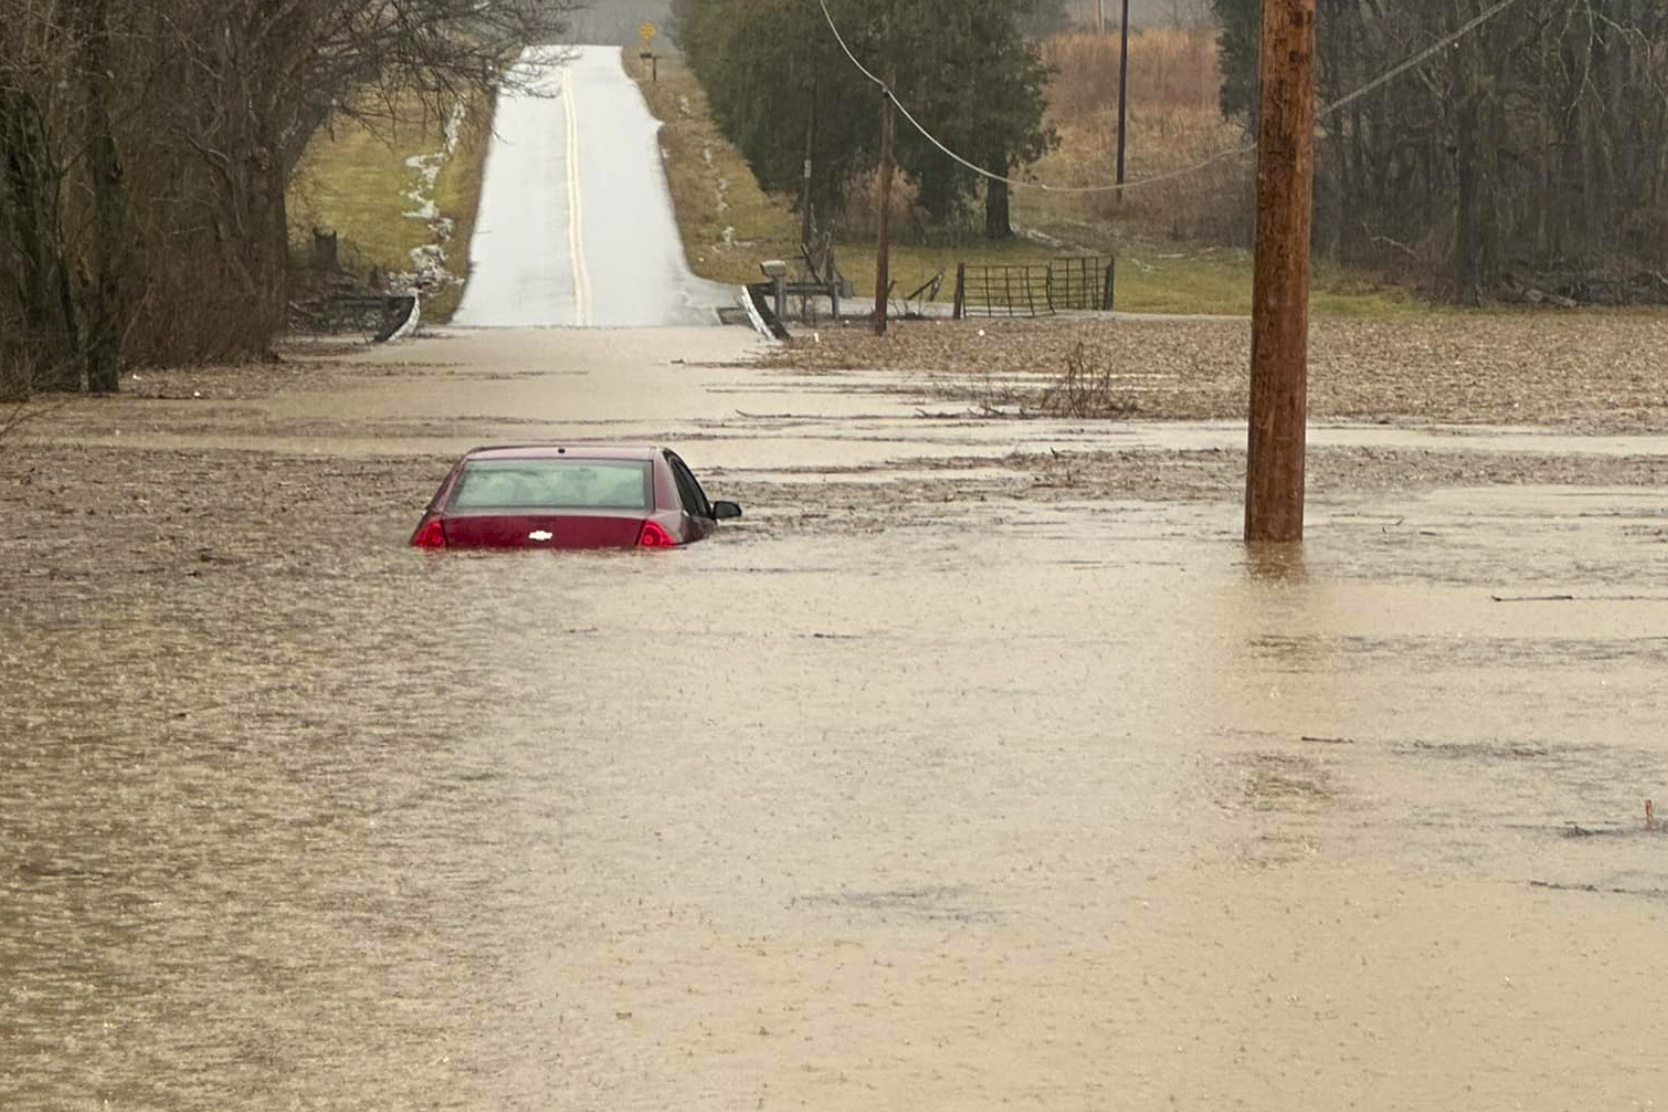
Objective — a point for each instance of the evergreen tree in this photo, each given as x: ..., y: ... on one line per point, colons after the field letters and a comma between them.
x: 986, y: 98
x: 1240, y: 21
x: 780, y: 86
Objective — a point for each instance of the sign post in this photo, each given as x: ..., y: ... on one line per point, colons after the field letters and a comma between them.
x: 647, y: 32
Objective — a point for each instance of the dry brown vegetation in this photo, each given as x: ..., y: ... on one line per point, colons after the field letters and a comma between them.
x: 1209, y: 475
x: 1173, y: 67
x: 149, y: 150
x: 1596, y: 372
x: 1087, y: 388
x: 1174, y: 122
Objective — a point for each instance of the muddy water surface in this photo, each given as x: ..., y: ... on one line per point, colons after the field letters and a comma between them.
x: 939, y: 805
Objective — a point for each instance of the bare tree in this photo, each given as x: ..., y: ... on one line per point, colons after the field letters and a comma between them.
x: 105, y: 172
x: 146, y: 151
x: 37, y: 315
x: 1537, y: 144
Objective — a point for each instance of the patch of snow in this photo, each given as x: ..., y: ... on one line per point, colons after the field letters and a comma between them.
x: 429, y: 270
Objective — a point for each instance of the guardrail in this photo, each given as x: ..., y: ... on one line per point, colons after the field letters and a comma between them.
x: 381, y: 317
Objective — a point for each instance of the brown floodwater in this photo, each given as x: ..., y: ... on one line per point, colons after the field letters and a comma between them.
x: 926, y: 804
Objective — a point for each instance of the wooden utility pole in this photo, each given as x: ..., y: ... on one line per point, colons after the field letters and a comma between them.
x: 883, y: 253
x: 1123, y: 92
x: 806, y: 224
x: 1280, y: 292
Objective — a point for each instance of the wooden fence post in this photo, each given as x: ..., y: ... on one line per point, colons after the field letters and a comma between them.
x: 961, y: 291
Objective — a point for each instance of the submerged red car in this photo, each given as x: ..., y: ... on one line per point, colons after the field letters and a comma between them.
x: 569, y: 496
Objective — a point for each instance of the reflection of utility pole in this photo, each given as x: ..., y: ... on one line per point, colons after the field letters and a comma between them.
x: 1280, y: 294
x: 1123, y: 93
x: 883, y: 253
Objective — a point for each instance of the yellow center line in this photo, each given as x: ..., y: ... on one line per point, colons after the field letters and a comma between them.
x: 576, y: 233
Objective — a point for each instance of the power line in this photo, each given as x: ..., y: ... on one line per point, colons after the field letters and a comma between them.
x: 1418, y: 59
x: 1170, y: 175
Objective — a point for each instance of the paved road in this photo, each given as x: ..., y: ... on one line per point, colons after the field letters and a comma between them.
x: 576, y: 225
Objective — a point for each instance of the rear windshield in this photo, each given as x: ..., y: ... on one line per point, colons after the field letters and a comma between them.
x: 589, y: 484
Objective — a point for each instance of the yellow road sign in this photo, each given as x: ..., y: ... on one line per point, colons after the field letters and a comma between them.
x: 648, y: 32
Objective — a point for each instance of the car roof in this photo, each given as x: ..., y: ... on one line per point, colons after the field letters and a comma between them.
x: 555, y: 450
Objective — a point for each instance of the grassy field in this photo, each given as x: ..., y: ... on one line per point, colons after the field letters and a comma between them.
x: 729, y: 225
x: 1150, y: 278
x: 355, y: 180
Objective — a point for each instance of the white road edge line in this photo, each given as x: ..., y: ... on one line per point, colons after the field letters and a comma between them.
x: 576, y: 235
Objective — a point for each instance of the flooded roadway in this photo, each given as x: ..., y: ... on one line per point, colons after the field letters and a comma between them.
x: 931, y: 804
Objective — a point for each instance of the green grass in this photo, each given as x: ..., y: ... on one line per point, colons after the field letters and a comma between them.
x: 353, y: 180
x: 1220, y: 283
x: 1158, y: 280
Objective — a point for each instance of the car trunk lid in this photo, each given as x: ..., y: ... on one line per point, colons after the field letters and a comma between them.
x: 505, y: 529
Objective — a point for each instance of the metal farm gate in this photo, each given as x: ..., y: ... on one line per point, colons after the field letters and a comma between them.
x: 1010, y: 291
x: 1080, y: 282
x: 1077, y: 282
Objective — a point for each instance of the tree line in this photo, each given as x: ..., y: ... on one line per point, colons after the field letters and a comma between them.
x: 146, y: 151
x: 1536, y: 146
x: 782, y: 90
x: 1534, y: 151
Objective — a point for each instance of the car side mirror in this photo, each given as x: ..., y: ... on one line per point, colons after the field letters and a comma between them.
x: 725, y: 511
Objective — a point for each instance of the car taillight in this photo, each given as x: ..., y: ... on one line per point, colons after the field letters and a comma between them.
x: 653, y: 536
x: 429, y: 535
